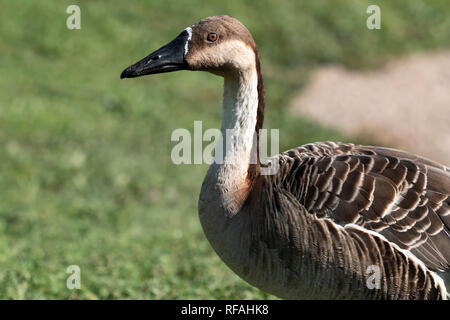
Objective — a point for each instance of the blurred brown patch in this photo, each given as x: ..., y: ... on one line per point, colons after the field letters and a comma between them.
x: 405, y: 105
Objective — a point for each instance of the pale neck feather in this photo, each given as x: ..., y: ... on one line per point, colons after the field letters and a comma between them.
x: 239, y: 110
x: 226, y: 185
x: 227, y: 181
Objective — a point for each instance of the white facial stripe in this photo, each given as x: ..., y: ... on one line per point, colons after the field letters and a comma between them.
x: 186, y: 46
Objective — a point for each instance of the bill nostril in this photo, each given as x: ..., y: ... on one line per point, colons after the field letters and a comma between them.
x: 153, y: 59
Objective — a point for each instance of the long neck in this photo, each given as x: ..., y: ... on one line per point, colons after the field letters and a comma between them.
x: 240, y: 105
x: 228, y: 183
x: 241, y: 120
x: 242, y: 116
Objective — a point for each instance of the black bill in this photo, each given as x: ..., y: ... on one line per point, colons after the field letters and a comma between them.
x: 166, y: 59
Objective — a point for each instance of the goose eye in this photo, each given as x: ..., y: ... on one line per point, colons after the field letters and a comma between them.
x: 212, y: 36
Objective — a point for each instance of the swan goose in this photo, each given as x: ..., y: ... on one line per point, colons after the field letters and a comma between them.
x: 332, y: 210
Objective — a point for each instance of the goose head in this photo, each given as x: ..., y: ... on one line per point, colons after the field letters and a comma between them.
x: 219, y: 44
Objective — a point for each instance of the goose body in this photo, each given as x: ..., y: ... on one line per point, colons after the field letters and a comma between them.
x: 332, y: 216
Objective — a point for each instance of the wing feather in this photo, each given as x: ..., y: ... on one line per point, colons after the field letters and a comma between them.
x: 404, y: 197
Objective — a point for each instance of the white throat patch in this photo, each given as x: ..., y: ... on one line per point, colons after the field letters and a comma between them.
x: 186, y: 46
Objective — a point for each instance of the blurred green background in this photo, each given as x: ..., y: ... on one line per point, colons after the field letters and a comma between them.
x: 85, y: 171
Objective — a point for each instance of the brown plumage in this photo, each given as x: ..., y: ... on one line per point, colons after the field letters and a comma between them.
x: 332, y: 215
x: 401, y: 196
x: 383, y: 200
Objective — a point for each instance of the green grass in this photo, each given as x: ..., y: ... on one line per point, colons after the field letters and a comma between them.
x: 85, y: 170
